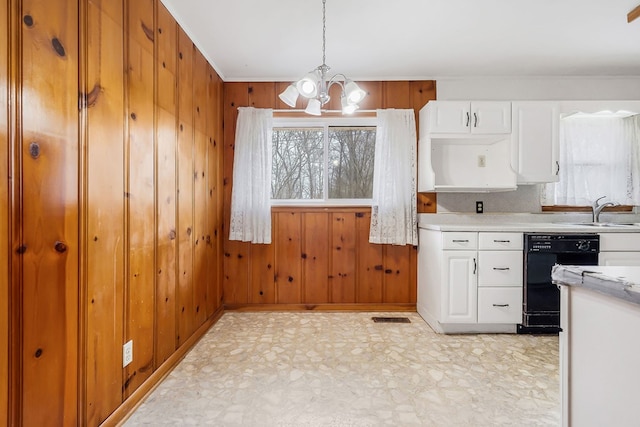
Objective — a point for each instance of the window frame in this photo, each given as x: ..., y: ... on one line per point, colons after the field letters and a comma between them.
x: 324, y: 122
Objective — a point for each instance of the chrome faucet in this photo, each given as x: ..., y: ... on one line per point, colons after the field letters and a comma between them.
x: 597, y: 208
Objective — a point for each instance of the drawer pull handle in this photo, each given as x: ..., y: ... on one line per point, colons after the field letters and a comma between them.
x: 501, y: 241
x: 460, y: 240
x: 501, y: 268
x: 501, y: 305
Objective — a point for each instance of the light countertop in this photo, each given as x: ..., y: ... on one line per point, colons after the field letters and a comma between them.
x: 530, y: 222
x: 619, y: 282
x: 533, y: 227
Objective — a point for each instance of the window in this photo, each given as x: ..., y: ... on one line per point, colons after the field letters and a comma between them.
x: 598, y: 157
x: 323, y: 161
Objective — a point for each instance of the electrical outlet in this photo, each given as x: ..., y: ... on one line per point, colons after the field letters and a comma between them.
x: 127, y: 353
x: 482, y: 161
x: 479, y: 207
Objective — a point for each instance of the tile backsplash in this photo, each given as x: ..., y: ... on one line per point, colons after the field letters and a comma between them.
x: 525, y: 199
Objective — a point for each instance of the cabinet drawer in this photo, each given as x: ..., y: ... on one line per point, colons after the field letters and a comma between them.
x: 500, y: 305
x: 500, y: 268
x: 459, y: 240
x: 500, y: 241
x: 619, y: 242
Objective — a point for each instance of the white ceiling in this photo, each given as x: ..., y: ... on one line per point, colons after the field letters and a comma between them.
x: 280, y: 40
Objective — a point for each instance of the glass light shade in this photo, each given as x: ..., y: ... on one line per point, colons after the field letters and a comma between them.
x: 289, y: 96
x: 313, y: 107
x: 353, y: 93
x: 308, y: 85
x: 348, y: 108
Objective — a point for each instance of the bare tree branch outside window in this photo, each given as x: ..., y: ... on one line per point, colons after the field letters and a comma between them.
x: 299, y: 165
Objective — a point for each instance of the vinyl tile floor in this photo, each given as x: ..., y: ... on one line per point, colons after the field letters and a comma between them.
x: 342, y: 369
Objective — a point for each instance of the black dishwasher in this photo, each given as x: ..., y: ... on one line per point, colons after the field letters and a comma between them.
x: 541, y: 298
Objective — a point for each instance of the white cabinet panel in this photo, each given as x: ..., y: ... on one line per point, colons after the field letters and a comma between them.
x: 619, y: 242
x: 459, y: 240
x: 500, y: 268
x: 449, y: 117
x: 499, y: 241
x: 460, y: 299
x: 500, y: 305
x: 619, y: 258
x: 477, y: 117
x: 490, y: 117
x: 536, y: 145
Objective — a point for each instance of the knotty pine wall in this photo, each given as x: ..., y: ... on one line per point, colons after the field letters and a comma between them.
x: 320, y: 258
x: 110, y: 205
x: 4, y: 212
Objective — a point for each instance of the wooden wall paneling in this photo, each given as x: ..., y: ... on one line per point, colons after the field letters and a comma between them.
x: 315, y: 257
x: 343, y: 258
x: 261, y: 95
x: 141, y: 200
x: 4, y: 213
x: 214, y: 195
x: 369, y: 262
x: 236, y: 254
x: 262, y: 287
x: 261, y: 278
x: 48, y: 252
x: 422, y: 92
x: 185, y: 313
x: 396, y: 94
x: 288, y: 271
x: 104, y: 210
x: 427, y: 202
x: 397, y: 274
x: 200, y: 79
x: 166, y: 137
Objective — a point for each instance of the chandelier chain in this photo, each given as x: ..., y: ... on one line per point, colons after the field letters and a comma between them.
x: 324, y: 31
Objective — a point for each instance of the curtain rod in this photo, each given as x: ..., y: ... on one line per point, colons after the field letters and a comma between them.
x: 292, y: 110
x: 284, y: 110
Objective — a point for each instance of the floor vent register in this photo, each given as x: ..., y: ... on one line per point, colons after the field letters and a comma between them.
x: 391, y: 319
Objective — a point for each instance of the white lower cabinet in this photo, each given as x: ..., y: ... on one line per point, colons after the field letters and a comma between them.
x: 500, y: 304
x: 619, y: 249
x: 470, y: 281
x: 460, y: 303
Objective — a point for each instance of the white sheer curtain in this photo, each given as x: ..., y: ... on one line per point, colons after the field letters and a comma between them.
x: 394, y: 217
x: 251, y: 192
x: 598, y: 157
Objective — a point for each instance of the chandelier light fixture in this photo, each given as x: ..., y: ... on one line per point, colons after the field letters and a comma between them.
x: 315, y: 85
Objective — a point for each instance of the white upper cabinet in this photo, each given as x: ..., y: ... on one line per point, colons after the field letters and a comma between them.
x: 536, y: 147
x: 462, y: 117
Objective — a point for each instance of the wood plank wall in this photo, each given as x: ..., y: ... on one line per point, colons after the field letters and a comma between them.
x: 111, y: 229
x: 319, y: 258
x: 4, y: 211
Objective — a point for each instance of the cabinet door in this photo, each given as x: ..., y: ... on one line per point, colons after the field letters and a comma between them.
x: 619, y: 258
x: 459, y: 295
x: 449, y: 117
x: 490, y: 117
x: 536, y: 141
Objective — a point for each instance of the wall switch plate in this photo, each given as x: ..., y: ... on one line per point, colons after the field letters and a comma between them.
x: 127, y: 353
x: 482, y: 161
x: 479, y: 207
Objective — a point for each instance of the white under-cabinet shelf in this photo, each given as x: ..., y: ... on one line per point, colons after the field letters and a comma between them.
x: 458, y: 164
